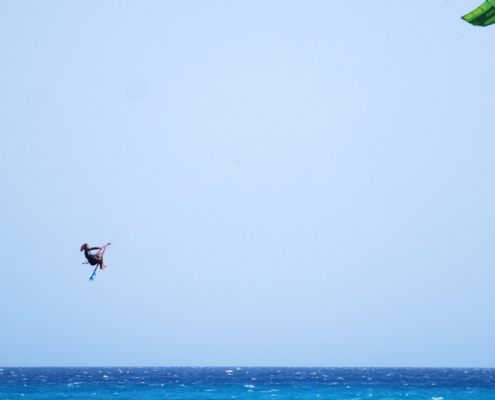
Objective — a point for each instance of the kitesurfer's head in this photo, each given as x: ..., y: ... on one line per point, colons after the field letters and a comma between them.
x: 85, y: 246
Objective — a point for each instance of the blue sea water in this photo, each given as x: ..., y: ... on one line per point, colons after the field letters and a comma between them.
x: 247, y: 383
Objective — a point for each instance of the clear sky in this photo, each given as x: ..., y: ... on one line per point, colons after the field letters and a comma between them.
x: 358, y: 228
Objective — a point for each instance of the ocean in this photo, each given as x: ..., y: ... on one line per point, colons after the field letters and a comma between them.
x: 247, y: 383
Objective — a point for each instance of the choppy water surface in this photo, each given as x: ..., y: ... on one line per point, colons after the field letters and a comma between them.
x: 247, y: 383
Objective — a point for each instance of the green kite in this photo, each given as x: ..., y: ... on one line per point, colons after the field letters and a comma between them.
x: 484, y: 15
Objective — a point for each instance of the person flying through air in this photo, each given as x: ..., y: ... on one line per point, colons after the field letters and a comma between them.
x: 93, y: 258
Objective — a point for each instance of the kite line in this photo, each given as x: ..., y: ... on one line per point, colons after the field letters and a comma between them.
x: 102, y: 249
x: 177, y: 200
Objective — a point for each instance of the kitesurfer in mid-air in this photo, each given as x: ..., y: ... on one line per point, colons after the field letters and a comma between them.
x: 93, y: 258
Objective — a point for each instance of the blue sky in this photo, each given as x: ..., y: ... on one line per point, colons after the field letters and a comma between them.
x: 356, y: 230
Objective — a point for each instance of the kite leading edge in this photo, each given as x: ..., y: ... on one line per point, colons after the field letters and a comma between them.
x: 484, y: 15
